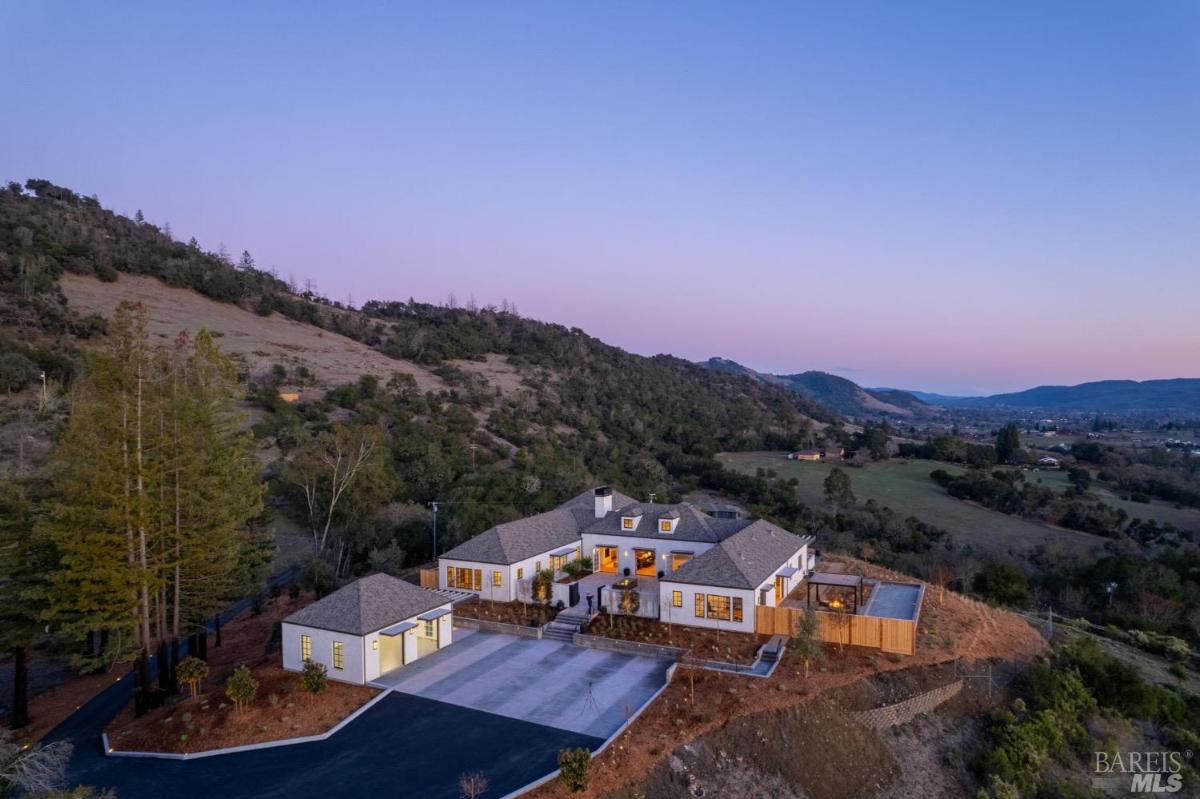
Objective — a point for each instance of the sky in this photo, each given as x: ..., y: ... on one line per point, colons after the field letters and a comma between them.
x: 946, y: 196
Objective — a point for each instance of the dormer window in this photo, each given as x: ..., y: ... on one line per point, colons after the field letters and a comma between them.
x: 630, y: 522
x: 668, y: 522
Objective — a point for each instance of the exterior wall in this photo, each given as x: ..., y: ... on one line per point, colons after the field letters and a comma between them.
x: 799, y: 560
x: 322, y: 652
x: 626, y: 544
x: 507, y: 590
x: 362, y: 653
x: 686, y: 615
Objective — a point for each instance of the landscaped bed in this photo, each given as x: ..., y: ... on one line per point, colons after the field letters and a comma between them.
x: 730, y: 647
x: 281, y: 708
x: 525, y: 614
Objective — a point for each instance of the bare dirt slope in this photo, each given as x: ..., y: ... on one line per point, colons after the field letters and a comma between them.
x: 258, y: 341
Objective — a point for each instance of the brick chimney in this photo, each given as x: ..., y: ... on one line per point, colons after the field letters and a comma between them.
x: 603, y: 501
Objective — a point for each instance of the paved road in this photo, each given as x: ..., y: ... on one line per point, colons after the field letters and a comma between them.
x: 404, y: 746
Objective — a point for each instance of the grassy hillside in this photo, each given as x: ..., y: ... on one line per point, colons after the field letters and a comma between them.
x: 906, y: 488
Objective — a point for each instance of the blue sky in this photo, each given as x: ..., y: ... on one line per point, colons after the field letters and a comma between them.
x: 959, y: 197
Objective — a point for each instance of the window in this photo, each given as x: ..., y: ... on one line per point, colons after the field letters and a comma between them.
x: 429, y: 628
x: 737, y: 608
x: 645, y: 562
x: 677, y: 599
x: 496, y: 579
x: 450, y: 577
x: 700, y: 606
x: 375, y: 645
x: 537, y: 566
x: 679, y: 558
x: 339, y: 655
x: 306, y: 647
x: 478, y: 580
x: 664, y: 526
x: 718, y: 607
x: 520, y: 573
x: 627, y: 523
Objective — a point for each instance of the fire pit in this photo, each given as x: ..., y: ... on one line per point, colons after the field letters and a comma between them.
x: 625, y: 583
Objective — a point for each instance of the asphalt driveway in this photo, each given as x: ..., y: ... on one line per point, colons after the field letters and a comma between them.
x: 404, y: 746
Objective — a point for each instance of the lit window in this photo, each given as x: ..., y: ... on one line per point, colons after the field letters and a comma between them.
x: 679, y: 558
x: 520, y: 573
x: 429, y: 628
x: 700, y: 606
x: 306, y: 647
x: 718, y: 607
x: 478, y: 580
x: 496, y: 579
x: 737, y: 608
x: 375, y: 645
x: 537, y: 566
x: 449, y: 576
x: 664, y: 526
x: 627, y: 524
x: 677, y: 599
x: 339, y: 655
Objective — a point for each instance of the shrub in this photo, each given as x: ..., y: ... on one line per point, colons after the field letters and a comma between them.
x: 313, y: 678
x: 1003, y: 583
x: 191, y: 671
x: 241, y: 688
x: 575, y: 765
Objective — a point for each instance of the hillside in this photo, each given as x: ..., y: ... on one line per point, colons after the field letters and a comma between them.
x: 496, y: 414
x: 1179, y: 395
x: 838, y: 393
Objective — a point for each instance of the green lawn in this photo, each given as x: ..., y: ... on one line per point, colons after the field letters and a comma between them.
x: 1161, y: 512
x: 905, y: 487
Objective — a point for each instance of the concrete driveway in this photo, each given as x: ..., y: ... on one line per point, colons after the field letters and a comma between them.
x: 587, y: 691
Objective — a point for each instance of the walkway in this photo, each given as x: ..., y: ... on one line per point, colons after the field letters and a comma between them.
x: 568, y: 687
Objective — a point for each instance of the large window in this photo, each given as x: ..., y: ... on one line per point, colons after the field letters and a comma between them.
x: 677, y: 599
x: 496, y: 579
x: 700, y: 606
x: 718, y: 607
x: 644, y: 559
x: 458, y: 577
x: 306, y: 647
x: 339, y: 655
x: 679, y: 558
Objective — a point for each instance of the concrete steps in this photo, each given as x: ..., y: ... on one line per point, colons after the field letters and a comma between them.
x: 566, y: 624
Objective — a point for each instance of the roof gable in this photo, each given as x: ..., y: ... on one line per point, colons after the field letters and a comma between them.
x: 744, y: 559
x: 368, y: 604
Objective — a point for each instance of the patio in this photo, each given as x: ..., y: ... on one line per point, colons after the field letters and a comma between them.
x: 547, y: 682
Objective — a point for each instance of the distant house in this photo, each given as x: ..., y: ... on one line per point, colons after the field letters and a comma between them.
x: 833, y: 452
x: 367, y: 628
x: 805, y: 455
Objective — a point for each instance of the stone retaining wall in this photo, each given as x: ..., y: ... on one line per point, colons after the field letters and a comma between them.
x: 903, y: 712
x: 629, y: 647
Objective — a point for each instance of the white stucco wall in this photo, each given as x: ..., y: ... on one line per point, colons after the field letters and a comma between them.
x: 362, y: 656
x: 686, y: 615
x: 799, y: 560
x: 507, y: 590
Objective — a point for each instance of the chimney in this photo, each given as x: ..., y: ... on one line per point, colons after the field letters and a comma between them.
x: 603, y: 501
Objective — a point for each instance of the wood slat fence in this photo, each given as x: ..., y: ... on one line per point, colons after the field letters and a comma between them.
x: 887, y: 635
x: 429, y: 578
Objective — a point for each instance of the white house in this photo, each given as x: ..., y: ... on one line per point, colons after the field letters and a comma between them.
x: 760, y: 564
x: 367, y: 628
x: 709, y: 570
x: 493, y: 562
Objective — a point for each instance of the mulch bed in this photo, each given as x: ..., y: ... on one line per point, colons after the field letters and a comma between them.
x: 280, y: 710
x: 731, y: 647
x: 526, y: 615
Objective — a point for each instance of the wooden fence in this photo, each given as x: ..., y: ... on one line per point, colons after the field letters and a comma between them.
x: 888, y: 635
x: 429, y: 578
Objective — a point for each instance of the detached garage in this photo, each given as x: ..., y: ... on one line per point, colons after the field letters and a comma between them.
x: 369, y: 627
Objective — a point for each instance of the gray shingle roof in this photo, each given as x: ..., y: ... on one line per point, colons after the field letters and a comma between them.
x: 744, y: 559
x: 367, y: 605
x: 693, y: 525
x: 515, y: 541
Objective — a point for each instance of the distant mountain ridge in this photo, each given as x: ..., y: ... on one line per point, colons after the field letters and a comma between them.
x: 1180, y: 394
x: 838, y: 393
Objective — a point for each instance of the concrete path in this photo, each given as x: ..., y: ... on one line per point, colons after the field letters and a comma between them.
x: 560, y: 685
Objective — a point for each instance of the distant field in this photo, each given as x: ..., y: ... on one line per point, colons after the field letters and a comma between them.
x: 905, y: 487
x: 1161, y: 512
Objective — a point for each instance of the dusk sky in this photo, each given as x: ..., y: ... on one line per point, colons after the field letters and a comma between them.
x: 958, y: 197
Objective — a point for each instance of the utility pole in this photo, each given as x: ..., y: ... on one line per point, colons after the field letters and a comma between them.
x: 435, y: 511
